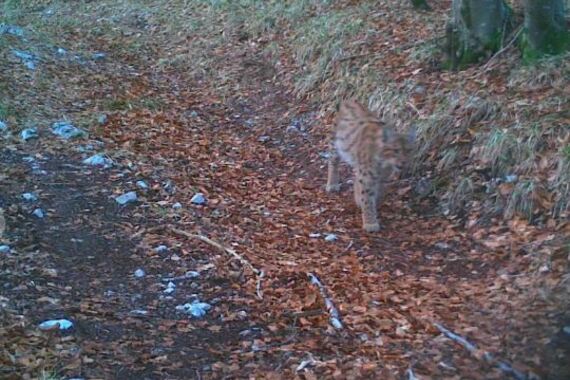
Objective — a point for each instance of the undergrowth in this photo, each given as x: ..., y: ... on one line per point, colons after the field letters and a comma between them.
x: 470, y: 139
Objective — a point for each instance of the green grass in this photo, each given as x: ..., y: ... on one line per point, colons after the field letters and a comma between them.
x: 522, y: 200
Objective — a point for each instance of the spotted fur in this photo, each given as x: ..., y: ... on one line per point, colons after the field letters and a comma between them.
x: 373, y: 149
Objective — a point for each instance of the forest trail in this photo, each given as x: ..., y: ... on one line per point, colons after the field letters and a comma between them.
x: 258, y: 156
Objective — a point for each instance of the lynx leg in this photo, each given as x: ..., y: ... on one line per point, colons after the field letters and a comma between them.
x: 368, y: 189
x: 333, y: 184
x: 357, y: 191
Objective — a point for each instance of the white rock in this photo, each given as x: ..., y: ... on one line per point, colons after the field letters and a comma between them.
x: 139, y: 273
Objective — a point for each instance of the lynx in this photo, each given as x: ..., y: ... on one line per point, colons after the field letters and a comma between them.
x: 373, y: 149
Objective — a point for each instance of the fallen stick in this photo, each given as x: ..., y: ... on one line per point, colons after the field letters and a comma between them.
x: 473, y: 350
x: 334, y: 315
x: 259, y: 273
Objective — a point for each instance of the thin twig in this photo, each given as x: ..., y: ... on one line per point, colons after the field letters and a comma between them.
x: 334, y: 315
x: 487, y: 65
x: 259, y: 273
x: 473, y: 350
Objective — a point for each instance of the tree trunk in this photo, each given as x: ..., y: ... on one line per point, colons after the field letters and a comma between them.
x: 421, y: 4
x: 545, y: 31
x: 476, y: 30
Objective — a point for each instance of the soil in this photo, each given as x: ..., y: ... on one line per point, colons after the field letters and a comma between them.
x: 264, y: 186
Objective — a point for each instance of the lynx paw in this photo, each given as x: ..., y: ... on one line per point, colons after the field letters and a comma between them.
x: 333, y: 188
x: 372, y: 227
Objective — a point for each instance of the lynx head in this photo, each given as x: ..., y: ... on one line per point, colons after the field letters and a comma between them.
x: 398, y: 148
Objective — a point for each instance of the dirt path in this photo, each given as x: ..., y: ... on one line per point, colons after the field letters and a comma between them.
x: 258, y: 156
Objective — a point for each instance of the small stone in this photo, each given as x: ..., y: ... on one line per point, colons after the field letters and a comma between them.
x: 62, y: 324
x: 29, y: 133
x: 161, y: 249
x: 331, y: 237
x: 30, y: 197
x: 98, y: 160
x: 292, y: 129
x: 66, y: 130
x: 139, y: 273
x: 442, y: 245
x: 264, y: 138
x: 11, y: 29
x: 38, y: 213
x: 198, y: 199
x: 242, y: 315
x: 102, y: 119
x: 99, y: 56
x: 27, y: 58
x: 23, y: 55
x: 129, y: 197
x: 244, y: 332
x: 142, y: 185
x: 192, y: 274
x: 177, y: 206
x: 170, y: 288
x: 197, y: 309
x: 5, y: 248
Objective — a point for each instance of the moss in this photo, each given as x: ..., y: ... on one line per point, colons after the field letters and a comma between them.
x: 464, y: 50
x: 558, y: 43
x: 421, y: 4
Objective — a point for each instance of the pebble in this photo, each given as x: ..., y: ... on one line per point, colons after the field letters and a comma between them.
x: 196, y: 309
x: 98, y: 160
x: 198, y: 199
x: 38, y: 213
x: 142, y: 185
x: 29, y: 133
x: 66, y: 130
x: 102, y: 119
x: 30, y: 197
x: 63, y: 324
x: 331, y: 237
x: 11, y: 29
x: 99, y: 56
x: 170, y: 288
x: 139, y: 273
x: 161, y: 249
x: 129, y: 197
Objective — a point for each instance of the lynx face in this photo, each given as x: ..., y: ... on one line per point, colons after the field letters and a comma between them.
x: 373, y: 149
